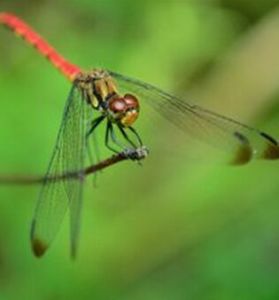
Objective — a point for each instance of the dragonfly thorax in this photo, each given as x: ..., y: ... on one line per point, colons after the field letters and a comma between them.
x: 99, y: 90
x: 96, y: 87
x: 123, y: 110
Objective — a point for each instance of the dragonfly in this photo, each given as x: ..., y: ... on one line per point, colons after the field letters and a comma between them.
x: 101, y: 96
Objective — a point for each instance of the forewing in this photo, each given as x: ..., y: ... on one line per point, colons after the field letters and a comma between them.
x: 243, y: 141
x: 58, y: 193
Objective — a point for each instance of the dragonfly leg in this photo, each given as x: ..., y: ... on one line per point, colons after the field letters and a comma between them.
x: 122, y: 130
x: 110, y: 134
x: 94, y: 124
x: 114, y: 138
x: 139, y: 141
x: 136, y: 135
x: 134, y: 153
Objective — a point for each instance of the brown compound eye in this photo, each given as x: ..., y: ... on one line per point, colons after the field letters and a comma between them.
x: 117, y: 105
x: 131, y: 102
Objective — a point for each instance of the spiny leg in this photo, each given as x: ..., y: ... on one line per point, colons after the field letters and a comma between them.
x: 122, y: 130
x: 94, y: 124
x: 138, y: 139
x: 137, y: 135
x: 131, y: 153
x: 110, y: 135
x: 115, y: 140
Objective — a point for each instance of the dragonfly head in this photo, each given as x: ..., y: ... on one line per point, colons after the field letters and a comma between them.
x: 124, y: 110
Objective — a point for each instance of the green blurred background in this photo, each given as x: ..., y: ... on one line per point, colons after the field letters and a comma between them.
x: 171, y: 229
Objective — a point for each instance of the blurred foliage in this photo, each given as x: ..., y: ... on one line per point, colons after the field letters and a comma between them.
x: 173, y: 228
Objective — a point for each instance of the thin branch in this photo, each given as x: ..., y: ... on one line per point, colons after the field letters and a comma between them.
x: 131, y: 154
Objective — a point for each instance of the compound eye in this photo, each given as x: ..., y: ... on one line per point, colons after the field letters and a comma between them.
x: 131, y: 101
x: 117, y: 105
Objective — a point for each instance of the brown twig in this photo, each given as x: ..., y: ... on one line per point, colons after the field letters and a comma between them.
x: 132, y: 154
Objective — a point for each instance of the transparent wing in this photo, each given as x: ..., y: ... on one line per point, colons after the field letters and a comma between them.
x: 58, y: 193
x: 215, y: 129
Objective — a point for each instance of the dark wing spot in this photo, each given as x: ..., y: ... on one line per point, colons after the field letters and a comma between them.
x: 244, y: 153
x: 272, y: 148
x: 271, y: 152
x: 38, y: 246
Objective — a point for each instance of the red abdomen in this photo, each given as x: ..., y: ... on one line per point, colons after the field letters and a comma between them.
x: 33, y: 38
